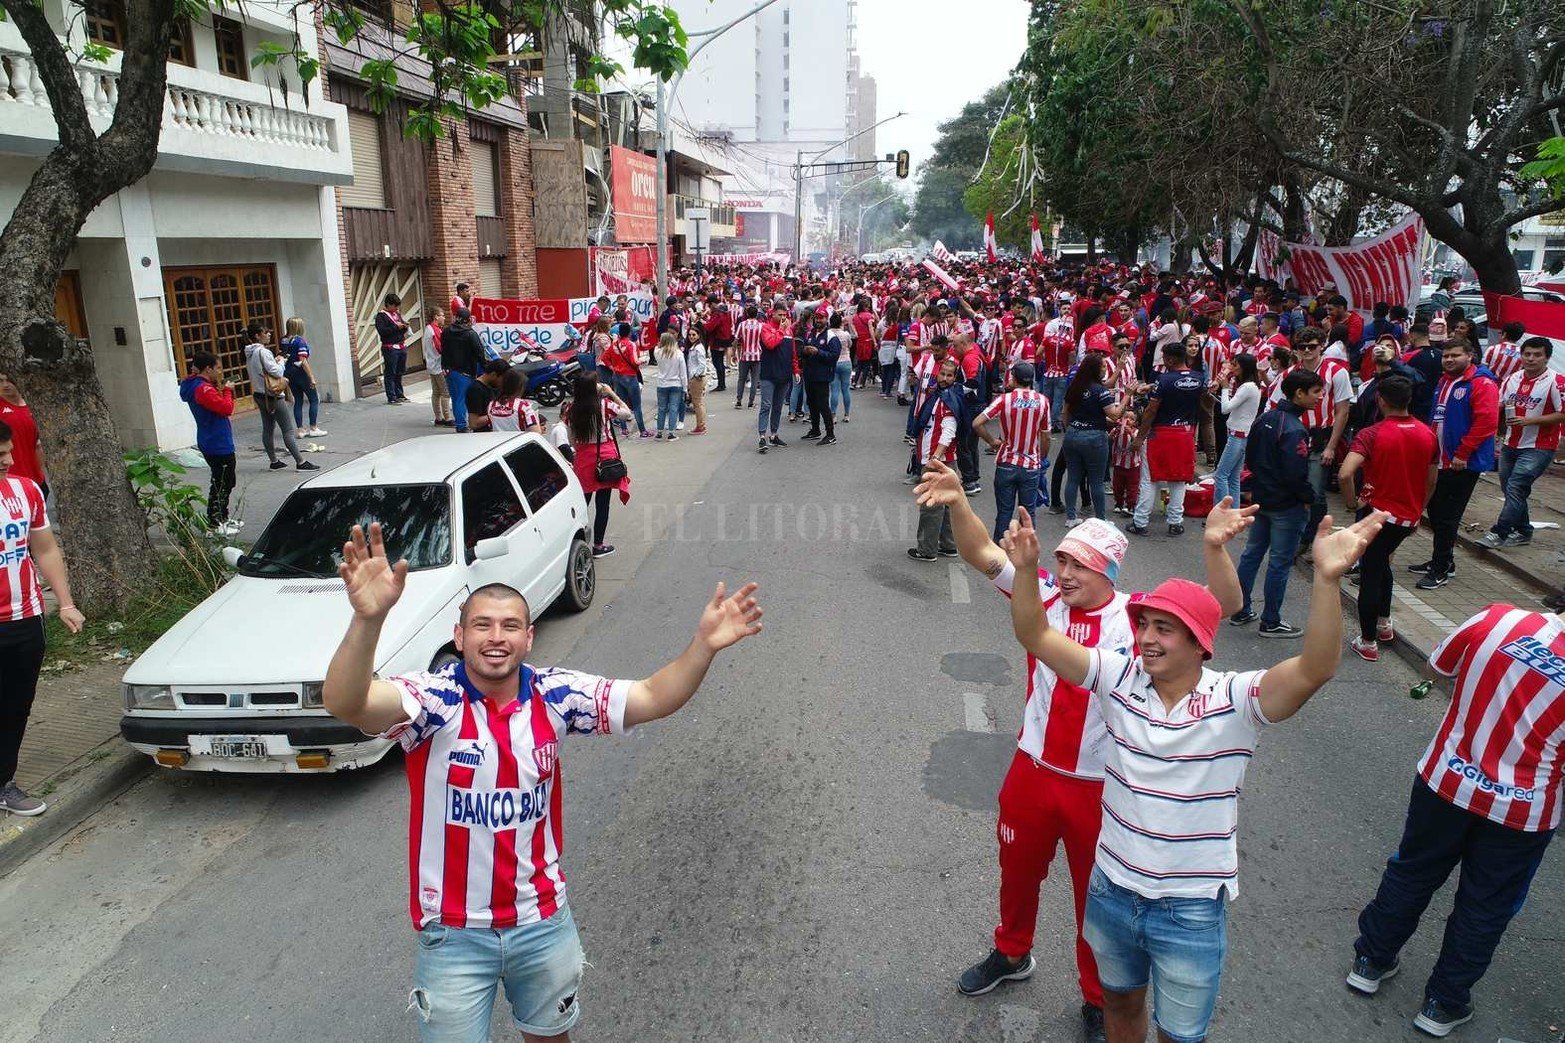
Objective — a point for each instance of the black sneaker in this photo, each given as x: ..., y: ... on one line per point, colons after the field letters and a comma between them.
x: 1176, y: 530
x: 278, y: 465
x: 1134, y: 529
x: 1424, y: 567
x: 1056, y: 508
x: 1281, y: 628
x: 1434, y: 580
x: 950, y: 553
x: 808, y: 435
x: 17, y: 801
x: 1367, y: 975
x: 305, y: 465
x: 972, y: 490
x: 603, y: 550
x: 762, y: 447
x: 918, y: 555
x: 828, y: 440
x: 994, y: 969
x: 777, y: 443
x: 1438, y: 1020
x: 1092, y: 1030
x: 1242, y: 619
x: 1555, y: 602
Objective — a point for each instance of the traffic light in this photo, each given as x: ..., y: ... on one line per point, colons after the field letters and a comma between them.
x: 902, y: 163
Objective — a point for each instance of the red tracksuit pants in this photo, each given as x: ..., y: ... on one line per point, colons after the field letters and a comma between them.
x: 1038, y: 809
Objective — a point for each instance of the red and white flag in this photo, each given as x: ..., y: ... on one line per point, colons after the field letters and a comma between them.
x: 991, y: 246
x: 940, y: 253
x: 1037, y: 240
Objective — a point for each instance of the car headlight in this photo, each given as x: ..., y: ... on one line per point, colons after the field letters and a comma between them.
x: 148, y: 697
x: 314, y: 694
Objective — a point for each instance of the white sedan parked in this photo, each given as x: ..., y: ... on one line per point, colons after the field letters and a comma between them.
x: 236, y: 685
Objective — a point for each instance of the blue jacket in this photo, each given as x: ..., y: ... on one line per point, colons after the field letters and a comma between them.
x: 1474, y: 393
x: 821, y: 367
x: 214, y: 431
x: 1277, y: 452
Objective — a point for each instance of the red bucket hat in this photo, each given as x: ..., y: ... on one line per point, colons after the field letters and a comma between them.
x: 1187, y: 601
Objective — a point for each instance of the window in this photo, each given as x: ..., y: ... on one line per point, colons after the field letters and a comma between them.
x: 489, y: 275
x: 180, y: 47
x: 785, y: 89
x: 230, y: 38
x: 489, y: 507
x: 105, y: 22
x: 208, y: 309
x: 1523, y: 258
x: 785, y: 16
x: 305, y: 536
x: 486, y: 198
x: 369, y: 188
x: 536, y: 472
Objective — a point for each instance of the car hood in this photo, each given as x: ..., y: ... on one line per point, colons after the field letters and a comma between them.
x: 285, y: 630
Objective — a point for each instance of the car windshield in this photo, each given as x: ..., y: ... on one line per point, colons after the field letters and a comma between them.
x: 306, y: 535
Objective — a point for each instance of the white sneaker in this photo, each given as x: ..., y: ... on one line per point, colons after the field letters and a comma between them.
x: 679, y: 426
x: 316, y: 432
x: 231, y: 527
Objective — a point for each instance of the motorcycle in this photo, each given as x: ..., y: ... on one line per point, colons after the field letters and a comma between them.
x: 548, y: 379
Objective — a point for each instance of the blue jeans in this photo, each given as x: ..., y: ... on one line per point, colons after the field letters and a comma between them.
x: 1010, y: 484
x: 668, y: 408
x: 538, y: 964
x: 457, y: 384
x: 773, y: 393
x: 1274, y: 536
x: 301, y: 393
x: 1519, y: 468
x: 796, y: 397
x: 1053, y: 389
x: 840, y: 379
x: 629, y: 389
x: 1498, y: 865
x: 1086, y: 461
x: 394, y: 363
x: 1176, y: 945
x: 1230, y: 470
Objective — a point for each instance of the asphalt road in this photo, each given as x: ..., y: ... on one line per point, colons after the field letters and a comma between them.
x: 806, y: 852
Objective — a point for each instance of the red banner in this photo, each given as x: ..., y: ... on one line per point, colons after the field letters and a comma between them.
x: 633, y: 181
x: 1385, y: 268
x: 1542, y: 318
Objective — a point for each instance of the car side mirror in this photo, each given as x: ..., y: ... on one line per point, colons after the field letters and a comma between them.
x: 233, y: 555
x: 493, y: 547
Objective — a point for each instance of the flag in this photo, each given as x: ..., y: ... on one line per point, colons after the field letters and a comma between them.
x: 940, y: 273
x: 940, y: 253
x: 1037, y: 240
x: 991, y: 247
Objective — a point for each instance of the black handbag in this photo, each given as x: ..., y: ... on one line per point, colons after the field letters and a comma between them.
x: 611, y: 470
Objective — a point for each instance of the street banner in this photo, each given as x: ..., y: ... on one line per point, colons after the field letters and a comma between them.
x: 940, y: 273
x: 940, y: 253
x: 1037, y: 240
x: 508, y: 326
x: 1542, y: 318
x: 712, y: 260
x: 639, y: 303
x: 633, y: 182
x: 991, y: 244
x: 1385, y: 268
x: 616, y: 271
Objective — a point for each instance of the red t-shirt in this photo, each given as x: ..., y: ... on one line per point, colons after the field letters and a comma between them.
x: 1397, y: 453
x: 24, y: 441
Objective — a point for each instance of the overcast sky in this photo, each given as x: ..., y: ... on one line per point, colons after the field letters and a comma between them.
x: 929, y: 59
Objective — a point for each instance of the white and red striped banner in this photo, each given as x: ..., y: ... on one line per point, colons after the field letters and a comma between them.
x: 940, y: 273
x: 991, y: 244
x: 940, y: 253
x: 1385, y: 268
x: 1037, y: 240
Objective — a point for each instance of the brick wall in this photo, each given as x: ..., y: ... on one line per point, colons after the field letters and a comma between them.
x: 451, y: 217
x: 519, y: 271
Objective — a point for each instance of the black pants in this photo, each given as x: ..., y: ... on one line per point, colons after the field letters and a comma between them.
x: 718, y: 355
x: 1452, y: 491
x: 600, y: 517
x: 967, y: 453
x: 217, y: 494
x: 1375, y: 578
x: 21, y: 656
x: 818, y: 394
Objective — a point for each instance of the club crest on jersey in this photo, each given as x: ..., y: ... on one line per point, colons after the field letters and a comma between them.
x: 1204, y: 704
x: 545, y: 757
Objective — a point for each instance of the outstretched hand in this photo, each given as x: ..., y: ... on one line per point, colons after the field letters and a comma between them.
x: 1021, y: 542
x: 939, y: 487
x: 1335, y: 552
x: 1225, y: 521
x: 728, y: 620
x: 374, y: 583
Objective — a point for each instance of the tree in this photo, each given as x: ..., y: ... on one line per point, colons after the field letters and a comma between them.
x: 958, y: 156
x: 103, y: 531
x: 1008, y: 186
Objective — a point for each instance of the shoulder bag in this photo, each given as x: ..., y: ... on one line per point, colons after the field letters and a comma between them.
x: 611, y: 470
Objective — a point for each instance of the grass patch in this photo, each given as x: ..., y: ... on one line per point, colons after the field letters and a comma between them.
x: 173, y: 593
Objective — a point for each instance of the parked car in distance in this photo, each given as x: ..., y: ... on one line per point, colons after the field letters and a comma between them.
x: 236, y: 684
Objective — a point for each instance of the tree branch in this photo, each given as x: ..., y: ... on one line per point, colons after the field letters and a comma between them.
x: 54, y: 69
x: 132, y: 138
x: 1516, y: 215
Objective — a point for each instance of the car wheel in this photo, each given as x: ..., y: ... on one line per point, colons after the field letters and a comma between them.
x: 443, y: 658
x: 581, y: 576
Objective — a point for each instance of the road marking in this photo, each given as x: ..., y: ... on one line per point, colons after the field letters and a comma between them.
x: 959, y: 592
x: 976, y: 712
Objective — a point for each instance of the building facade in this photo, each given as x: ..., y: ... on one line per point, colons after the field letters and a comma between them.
x: 237, y: 221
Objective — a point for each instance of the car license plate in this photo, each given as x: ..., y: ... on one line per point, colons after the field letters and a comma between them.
x: 237, y: 746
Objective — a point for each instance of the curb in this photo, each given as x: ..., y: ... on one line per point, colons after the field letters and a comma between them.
x: 1409, y: 653
x: 1505, y: 565
x: 80, y: 789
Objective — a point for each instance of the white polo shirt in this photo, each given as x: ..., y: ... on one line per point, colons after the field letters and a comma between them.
x: 1172, y: 778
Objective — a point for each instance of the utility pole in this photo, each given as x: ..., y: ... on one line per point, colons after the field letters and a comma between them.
x: 798, y: 206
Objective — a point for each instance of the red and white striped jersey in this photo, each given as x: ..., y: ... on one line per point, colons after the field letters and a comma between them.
x: 1123, y: 451
x: 1338, y: 388
x: 1214, y: 356
x: 1057, y: 348
x: 748, y: 333
x: 1024, y: 415
x: 923, y: 377
x: 21, y: 511
x: 1062, y: 724
x: 512, y: 414
x: 1502, y: 360
x: 484, y: 817
x: 1524, y: 396
x: 940, y: 431
x: 1497, y: 752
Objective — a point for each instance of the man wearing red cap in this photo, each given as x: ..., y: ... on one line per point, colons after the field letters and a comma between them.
x: 1054, y: 788
x: 1167, y: 854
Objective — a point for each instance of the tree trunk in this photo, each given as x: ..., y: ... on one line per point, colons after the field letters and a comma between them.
x: 1092, y: 248
x: 1295, y: 219
x: 1179, y: 262
x: 1344, y: 224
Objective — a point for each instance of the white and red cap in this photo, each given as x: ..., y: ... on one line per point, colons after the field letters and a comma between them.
x: 1098, y: 545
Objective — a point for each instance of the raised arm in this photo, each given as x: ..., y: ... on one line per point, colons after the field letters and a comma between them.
x: 724, y: 622
x: 1028, y: 618
x: 1288, y: 686
x: 351, y: 693
x: 942, y: 487
x: 1223, y: 523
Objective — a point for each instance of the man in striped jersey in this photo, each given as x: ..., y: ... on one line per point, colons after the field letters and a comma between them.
x: 1182, y: 735
x: 1020, y: 448
x: 1532, y: 407
x: 1327, y: 420
x: 1486, y: 798
x: 747, y: 335
x: 481, y: 739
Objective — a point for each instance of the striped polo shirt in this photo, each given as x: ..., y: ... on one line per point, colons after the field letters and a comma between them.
x: 1172, y: 778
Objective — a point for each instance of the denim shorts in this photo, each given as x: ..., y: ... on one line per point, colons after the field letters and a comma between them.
x: 538, y: 964
x: 1175, y: 944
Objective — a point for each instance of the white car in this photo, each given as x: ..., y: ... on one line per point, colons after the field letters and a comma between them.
x: 236, y: 684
